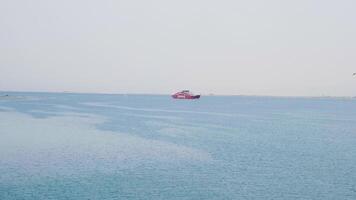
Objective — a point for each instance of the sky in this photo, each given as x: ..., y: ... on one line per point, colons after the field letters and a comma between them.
x: 254, y: 47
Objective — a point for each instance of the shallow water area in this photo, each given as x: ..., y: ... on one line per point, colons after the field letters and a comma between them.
x: 101, y: 146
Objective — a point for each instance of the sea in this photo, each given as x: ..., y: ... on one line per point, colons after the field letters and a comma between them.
x: 117, y: 146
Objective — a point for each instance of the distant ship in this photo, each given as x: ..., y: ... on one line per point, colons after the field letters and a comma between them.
x: 185, y: 94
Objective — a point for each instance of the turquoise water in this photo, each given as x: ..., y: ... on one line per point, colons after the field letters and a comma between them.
x: 95, y: 146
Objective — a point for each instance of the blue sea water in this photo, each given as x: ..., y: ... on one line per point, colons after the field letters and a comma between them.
x: 97, y: 146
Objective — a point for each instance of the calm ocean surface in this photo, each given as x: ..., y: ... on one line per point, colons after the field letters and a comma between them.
x: 96, y: 146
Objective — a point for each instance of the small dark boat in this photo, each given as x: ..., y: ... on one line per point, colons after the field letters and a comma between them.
x: 185, y: 94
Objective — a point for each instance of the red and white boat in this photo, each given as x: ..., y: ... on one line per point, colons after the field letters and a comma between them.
x: 185, y: 94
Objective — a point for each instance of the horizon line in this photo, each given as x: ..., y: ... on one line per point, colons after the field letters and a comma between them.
x: 162, y: 94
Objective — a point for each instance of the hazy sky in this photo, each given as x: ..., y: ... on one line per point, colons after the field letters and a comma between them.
x: 254, y: 47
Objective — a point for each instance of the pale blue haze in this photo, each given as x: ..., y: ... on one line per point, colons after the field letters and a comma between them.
x: 255, y: 47
x: 95, y: 146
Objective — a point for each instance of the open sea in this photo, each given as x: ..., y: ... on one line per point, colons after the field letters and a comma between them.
x: 97, y: 146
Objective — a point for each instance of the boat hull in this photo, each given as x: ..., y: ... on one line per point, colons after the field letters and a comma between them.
x: 178, y: 96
